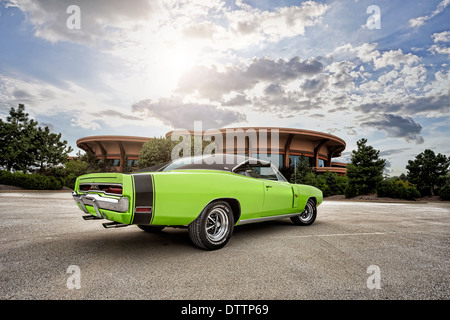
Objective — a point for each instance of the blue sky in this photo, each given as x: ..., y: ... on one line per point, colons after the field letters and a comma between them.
x: 146, y: 67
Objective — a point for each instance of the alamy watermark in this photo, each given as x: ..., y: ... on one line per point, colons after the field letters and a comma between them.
x: 374, y: 20
x: 262, y: 142
x: 73, y: 22
x: 374, y: 280
x: 74, y: 280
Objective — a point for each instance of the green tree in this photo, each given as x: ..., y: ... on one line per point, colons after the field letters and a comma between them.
x: 335, y: 184
x: 155, y: 151
x: 159, y: 150
x: 24, y: 145
x: 17, y: 148
x: 302, y: 172
x: 50, y: 150
x: 428, y: 171
x: 364, y: 171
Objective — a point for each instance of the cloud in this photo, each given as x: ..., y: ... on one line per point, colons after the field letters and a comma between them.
x: 398, y: 127
x: 441, y: 37
x: 435, y: 49
x: 212, y: 83
x: 274, y: 25
x: 420, y: 21
x: 415, y: 105
x: 312, y: 87
x: 367, y: 53
x: 177, y: 114
x: 117, y: 23
x: 238, y: 100
x: 84, y: 121
x: 390, y: 152
x: 115, y: 114
x: 100, y: 20
x: 340, y: 74
x: 395, y: 58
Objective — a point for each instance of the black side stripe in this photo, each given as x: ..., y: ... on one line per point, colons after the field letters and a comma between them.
x: 143, y: 186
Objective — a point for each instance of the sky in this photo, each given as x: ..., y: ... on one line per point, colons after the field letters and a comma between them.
x: 355, y: 69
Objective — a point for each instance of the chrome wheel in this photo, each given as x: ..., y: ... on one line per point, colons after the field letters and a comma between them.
x: 217, y: 224
x: 308, y: 213
x: 308, y: 216
x: 213, y: 227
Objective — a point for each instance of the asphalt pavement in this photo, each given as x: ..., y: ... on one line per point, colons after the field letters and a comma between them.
x: 354, y: 250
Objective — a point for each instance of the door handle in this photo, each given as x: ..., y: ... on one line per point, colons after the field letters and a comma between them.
x: 268, y: 187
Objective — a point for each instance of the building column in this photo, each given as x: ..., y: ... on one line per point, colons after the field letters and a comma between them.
x: 316, y: 152
x: 103, y: 150
x: 287, y: 150
x: 122, y: 156
x: 330, y: 156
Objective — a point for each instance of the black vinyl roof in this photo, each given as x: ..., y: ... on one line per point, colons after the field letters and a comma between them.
x: 221, y: 162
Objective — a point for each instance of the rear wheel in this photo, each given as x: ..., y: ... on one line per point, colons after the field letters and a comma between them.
x: 151, y: 229
x: 308, y: 216
x: 213, y: 227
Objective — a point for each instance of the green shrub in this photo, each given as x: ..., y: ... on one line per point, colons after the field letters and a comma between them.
x: 30, y: 181
x: 397, y: 188
x: 330, y: 183
x: 351, y: 190
x: 444, y: 192
x: 70, y: 181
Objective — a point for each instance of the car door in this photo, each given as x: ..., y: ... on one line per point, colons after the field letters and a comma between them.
x: 278, y: 198
x: 278, y: 194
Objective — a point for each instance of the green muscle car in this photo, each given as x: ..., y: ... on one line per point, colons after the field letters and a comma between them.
x: 209, y: 195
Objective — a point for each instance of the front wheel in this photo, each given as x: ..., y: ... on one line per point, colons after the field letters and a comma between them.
x: 213, y: 227
x: 308, y: 216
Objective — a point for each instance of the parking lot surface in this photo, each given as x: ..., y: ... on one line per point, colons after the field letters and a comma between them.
x: 354, y: 250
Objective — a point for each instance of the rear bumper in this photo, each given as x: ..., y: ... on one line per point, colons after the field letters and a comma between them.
x: 118, y: 204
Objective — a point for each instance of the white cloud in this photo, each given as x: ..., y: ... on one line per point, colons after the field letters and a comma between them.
x: 211, y: 83
x: 395, y: 58
x: 85, y: 107
x: 443, y: 36
x: 101, y: 20
x: 420, y: 21
x: 365, y: 52
x: 274, y: 25
x: 179, y: 114
x: 84, y: 121
x: 435, y: 49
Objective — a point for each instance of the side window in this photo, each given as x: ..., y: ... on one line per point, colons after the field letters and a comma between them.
x: 268, y: 173
x: 258, y: 172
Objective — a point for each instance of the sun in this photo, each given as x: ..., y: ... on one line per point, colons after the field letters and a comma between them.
x: 175, y: 61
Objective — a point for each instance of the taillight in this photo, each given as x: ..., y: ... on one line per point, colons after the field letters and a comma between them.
x: 143, y: 209
x: 114, y: 190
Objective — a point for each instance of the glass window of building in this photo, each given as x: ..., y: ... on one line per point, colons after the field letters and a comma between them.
x: 276, y: 159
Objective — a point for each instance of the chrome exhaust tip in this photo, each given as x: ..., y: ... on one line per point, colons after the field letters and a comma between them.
x: 114, y: 224
x: 91, y: 217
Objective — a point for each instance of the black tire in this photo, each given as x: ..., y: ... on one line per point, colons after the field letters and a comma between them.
x: 308, y: 216
x: 213, y: 227
x: 151, y: 229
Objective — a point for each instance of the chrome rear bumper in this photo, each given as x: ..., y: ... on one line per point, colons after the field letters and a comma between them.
x: 98, y: 202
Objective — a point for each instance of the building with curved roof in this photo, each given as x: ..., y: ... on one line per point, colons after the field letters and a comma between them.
x: 117, y: 151
x: 282, y: 146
